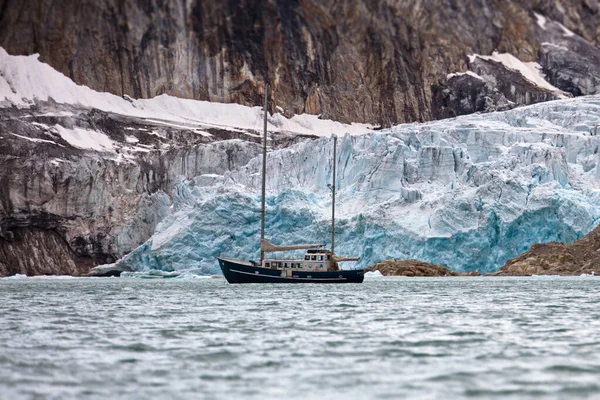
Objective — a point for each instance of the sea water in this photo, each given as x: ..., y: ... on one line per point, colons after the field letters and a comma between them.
x: 427, y: 338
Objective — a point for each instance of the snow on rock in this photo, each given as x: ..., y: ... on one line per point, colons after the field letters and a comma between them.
x: 470, y: 73
x: 541, y: 20
x: 24, y: 80
x: 467, y: 193
x: 530, y: 70
x: 35, y: 140
x: 86, y: 139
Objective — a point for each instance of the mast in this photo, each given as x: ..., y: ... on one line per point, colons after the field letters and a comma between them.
x: 333, y: 197
x: 264, y: 176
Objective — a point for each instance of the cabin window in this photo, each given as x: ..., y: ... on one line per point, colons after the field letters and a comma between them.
x: 267, y: 265
x: 328, y: 257
x: 314, y: 258
x: 321, y: 266
x: 320, y: 258
x: 285, y: 265
x: 307, y: 257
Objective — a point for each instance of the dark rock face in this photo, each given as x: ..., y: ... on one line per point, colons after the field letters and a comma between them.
x: 569, y: 62
x: 370, y: 61
x: 37, y: 251
x: 489, y: 87
x: 580, y: 257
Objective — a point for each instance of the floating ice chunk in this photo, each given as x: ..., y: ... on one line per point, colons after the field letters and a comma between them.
x: 15, y: 276
x: 373, y: 274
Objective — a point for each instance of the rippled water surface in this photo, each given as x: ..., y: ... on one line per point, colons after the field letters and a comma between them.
x: 387, y: 338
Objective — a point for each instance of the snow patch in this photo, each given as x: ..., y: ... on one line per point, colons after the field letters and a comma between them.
x: 541, y: 20
x: 529, y: 70
x: 555, y: 45
x: 56, y: 161
x: 25, y: 80
x: 39, y: 125
x: 86, y: 139
x: 470, y: 73
x: 36, y: 140
x: 566, y: 31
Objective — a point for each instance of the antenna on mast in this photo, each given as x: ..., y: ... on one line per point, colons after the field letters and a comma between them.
x: 264, y: 176
x: 332, y: 187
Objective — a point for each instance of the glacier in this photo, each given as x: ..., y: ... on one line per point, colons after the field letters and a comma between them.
x: 467, y: 193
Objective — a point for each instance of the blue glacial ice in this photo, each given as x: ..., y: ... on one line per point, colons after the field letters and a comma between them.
x: 468, y: 193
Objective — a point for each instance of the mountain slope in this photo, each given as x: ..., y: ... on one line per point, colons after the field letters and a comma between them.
x: 381, y: 61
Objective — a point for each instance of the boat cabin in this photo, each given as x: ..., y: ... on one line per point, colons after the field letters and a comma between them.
x: 313, y: 260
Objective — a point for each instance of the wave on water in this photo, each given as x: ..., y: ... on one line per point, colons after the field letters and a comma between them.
x: 23, y: 276
x: 157, y: 274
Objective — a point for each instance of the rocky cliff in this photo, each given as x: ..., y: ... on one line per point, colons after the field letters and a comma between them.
x: 377, y: 61
x: 414, y: 268
x: 555, y: 258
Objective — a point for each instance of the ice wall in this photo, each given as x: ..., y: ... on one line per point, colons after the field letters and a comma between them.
x: 467, y: 193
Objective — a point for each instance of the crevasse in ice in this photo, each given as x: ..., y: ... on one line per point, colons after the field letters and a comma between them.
x: 467, y: 193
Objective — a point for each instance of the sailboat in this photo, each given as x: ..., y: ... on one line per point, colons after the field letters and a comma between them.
x: 318, y: 265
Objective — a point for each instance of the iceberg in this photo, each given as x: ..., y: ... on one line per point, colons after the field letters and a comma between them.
x: 467, y: 193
